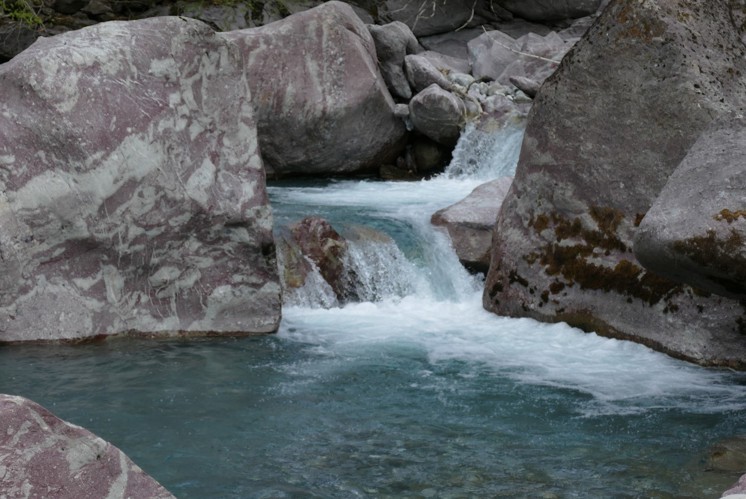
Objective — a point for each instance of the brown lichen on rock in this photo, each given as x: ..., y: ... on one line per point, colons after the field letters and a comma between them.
x: 638, y: 218
x: 645, y: 29
x: 730, y: 216
x: 580, y: 264
x: 604, y: 236
x: 722, y: 255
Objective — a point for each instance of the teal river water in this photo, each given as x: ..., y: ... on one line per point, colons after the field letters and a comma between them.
x: 417, y: 392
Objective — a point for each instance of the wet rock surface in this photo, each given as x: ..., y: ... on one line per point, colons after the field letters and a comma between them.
x: 470, y: 223
x: 324, y: 267
x: 313, y: 242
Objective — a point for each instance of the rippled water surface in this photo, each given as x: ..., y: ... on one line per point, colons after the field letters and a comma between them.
x: 420, y: 393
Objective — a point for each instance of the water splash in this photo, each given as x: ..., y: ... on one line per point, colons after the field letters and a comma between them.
x: 315, y: 291
x: 377, y: 270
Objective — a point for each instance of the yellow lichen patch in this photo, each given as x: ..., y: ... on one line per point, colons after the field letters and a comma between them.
x: 729, y: 216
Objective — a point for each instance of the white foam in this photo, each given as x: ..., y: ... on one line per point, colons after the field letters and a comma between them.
x: 620, y: 376
x: 445, y: 321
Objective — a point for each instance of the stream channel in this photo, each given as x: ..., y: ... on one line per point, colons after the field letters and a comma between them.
x: 416, y: 391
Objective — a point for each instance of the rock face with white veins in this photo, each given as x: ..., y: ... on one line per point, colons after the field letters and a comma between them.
x: 44, y: 456
x: 132, y: 193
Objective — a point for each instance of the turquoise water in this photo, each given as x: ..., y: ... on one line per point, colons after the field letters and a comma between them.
x: 420, y: 393
x: 291, y: 417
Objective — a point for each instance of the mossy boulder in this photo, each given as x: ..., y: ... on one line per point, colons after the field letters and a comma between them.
x: 695, y: 232
x: 606, y: 132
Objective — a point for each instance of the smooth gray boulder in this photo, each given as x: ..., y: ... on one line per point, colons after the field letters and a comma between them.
x: 438, y: 114
x: 605, y: 133
x: 550, y: 10
x: 497, y: 56
x: 695, y: 232
x: 470, y: 223
x: 44, y: 456
x: 421, y: 73
x: 321, y: 104
x: 132, y: 193
x: 446, y: 63
x: 393, y: 42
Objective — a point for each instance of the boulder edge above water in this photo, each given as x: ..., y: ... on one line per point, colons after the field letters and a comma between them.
x: 133, y: 195
x: 604, y: 135
x: 41, y: 453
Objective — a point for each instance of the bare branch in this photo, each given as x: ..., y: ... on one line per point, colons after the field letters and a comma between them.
x: 519, y: 52
x: 473, y: 7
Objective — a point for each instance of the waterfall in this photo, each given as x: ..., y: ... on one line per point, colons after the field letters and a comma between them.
x: 414, y: 258
x: 486, y: 155
x: 378, y: 270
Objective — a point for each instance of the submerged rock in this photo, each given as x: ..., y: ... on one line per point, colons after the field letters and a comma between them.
x: 133, y: 196
x: 470, y: 223
x: 695, y: 232
x: 324, y: 268
x: 322, y: 106
x: 605, y: 133
x: 44, y: 456
x: 314, y: 244
x: 728, y: 455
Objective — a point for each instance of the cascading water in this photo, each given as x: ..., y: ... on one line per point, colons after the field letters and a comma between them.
x: 414, y: 391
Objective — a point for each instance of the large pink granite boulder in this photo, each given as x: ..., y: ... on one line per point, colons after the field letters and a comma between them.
x: 132, y: 192
x: 322, y: 106
x: 44, y: 456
